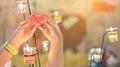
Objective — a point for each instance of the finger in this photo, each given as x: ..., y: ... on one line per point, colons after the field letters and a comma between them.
x: 40, y: 19
x: 28, y: 22
x: 29, y: 27
x: 51, y: 23
x: 49, y: 19
x: 44, y: 28
x: 33, y: 30
x: 41, y: 22
x: 28, y: 32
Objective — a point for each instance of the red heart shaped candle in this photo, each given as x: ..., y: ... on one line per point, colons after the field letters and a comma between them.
x: 39, y: 19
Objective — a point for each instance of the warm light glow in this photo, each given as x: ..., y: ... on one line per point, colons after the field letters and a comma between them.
x: 112, y: 34
x: 45, y: 45
x: 21, y: 7
x: 57, y: 16
x: 112, y: 29
x: 102, y: 7
x: 27, y: 47
x: 96, y: 54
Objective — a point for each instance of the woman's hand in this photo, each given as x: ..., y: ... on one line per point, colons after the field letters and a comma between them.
x: 54, y: 35
x: 24, y: 32
x: 49, y: 28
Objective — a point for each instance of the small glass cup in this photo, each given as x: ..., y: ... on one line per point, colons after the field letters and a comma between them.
x: 57, y: 16
x: 98, y: 54
x: 29, y: 55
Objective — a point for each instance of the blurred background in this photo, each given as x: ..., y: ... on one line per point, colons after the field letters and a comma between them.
x: 84, y: 23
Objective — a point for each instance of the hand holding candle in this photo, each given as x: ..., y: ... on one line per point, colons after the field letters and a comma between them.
x: 37, y: 19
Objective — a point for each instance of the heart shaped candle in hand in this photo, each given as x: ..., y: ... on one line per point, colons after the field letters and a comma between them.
x: 33, y: 19
x: 39, y: 19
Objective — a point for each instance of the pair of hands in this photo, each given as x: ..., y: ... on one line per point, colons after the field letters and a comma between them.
x: 26, y: 29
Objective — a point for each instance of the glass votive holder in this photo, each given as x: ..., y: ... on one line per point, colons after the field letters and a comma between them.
x: 97, y: 54
x: 29, y: 55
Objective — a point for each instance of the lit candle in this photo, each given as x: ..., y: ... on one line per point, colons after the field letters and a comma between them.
x: 57, y: 16
x: 45, y: 45
x: 27, y: 48
x: 21, y: 7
